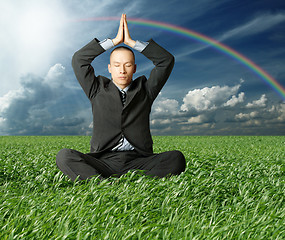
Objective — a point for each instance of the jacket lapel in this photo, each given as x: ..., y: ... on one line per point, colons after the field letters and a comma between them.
x: 133, y: 90
x: 114, y: 93
x: 131, y: 93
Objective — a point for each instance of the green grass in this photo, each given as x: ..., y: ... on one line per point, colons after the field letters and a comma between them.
x: 233, y: 188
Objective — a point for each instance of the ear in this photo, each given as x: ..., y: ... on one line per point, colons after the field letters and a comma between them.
x: 135, y: 68
x: 109, y: 68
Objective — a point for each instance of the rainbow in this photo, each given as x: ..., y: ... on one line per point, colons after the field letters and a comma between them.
x: 269, y: 80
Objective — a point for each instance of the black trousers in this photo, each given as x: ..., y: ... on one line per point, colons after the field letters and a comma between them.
x: 76, y: 164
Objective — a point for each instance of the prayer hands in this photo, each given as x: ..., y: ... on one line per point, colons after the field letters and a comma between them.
x: 123, y: 35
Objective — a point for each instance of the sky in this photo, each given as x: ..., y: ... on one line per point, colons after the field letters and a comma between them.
x: 208, y: 92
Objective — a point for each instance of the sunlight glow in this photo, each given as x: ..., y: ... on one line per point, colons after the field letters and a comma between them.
x: 38, y: 28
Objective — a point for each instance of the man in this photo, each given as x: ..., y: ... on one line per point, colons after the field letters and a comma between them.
x: 121, y: 139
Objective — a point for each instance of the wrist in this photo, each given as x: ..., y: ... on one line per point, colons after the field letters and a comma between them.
x: 114, y: 41
x: 131, y: 43
x: 106, y: 44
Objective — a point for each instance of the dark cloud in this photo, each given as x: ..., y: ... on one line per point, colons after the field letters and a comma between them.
x: 45, y: 106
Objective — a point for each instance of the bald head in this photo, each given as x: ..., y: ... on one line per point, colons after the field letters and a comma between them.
x: 122, y: 48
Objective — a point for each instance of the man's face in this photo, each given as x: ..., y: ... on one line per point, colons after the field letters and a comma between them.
x: 122, y: 67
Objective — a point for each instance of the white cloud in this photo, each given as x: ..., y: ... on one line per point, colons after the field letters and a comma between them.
x: 257, y: 25
x: 218, y: 110
x: 206, y: 99
x: 160, y: 121
x: 281, y: 113
x: 6, y: 99
x: 198, y: 119
x: 246, y: 116
x: 235, y: 100
x: 164, y: 106
x: 55, y: 71
x: 277, y: 113
x: 258, y: 103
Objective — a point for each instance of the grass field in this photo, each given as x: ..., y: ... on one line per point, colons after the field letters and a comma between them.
x: 233, y: 188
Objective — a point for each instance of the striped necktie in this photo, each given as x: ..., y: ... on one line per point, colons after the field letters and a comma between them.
x: 123, y: 97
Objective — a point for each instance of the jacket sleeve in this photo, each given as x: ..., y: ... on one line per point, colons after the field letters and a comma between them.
x: 84, y: 72
x: 163, y: 61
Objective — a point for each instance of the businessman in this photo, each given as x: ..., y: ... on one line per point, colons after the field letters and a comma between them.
x: 121, y: 139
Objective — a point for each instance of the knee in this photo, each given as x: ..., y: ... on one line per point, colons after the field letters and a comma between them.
x: 63, y: 157
x: 179, y: 162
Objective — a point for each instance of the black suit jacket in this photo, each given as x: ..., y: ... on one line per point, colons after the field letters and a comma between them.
x: 110, y: 118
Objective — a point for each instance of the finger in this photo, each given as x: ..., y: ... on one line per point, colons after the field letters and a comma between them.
x: 122, y: 21
x: 125, y: 19
x: 120, y: 35
x: 126, y: 24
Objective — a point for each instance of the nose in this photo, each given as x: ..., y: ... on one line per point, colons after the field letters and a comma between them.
x: 122, y: 69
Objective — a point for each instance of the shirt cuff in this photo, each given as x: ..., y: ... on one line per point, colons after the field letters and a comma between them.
x: 107, y: 44
x: 140, y: 45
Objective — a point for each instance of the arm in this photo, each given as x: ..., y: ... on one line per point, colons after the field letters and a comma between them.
x: 82, y: 59
x: 162, y: 59
x: 84, y: 72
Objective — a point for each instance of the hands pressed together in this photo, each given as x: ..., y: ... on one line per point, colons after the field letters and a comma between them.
x: 123, y: 35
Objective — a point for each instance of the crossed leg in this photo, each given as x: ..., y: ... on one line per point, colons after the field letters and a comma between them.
x: 84, y: 166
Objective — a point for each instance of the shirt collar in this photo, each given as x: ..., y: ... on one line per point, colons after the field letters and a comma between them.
x: 125, y: 89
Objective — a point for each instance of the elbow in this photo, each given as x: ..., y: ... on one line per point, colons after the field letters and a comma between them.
x: 171, y: 61
x: 74, y: 59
